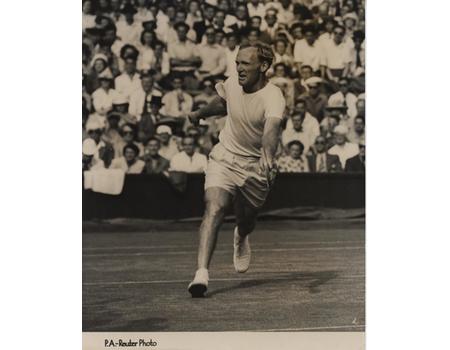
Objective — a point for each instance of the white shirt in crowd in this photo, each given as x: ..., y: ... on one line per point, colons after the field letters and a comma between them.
x: 309, y: 133
x: 182, y: 162
x: 102, y: 100
x: 126, y: 85
x: 120, y: 163
x: 177, y: 103
x: 344, y: 152
x: 350, y: 101
x: 137, y: 101
x: 308, y: 55
x: 337, y: 56
x: 246, y: 115
x: 231, y: 61
x: 129, y: 34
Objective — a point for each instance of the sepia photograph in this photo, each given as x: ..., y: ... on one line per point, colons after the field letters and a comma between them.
x: 223, y: 170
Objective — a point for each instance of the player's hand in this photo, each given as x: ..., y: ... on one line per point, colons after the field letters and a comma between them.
x: 268, y: 167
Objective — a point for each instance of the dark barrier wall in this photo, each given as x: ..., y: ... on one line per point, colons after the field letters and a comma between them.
x: 153, y: 197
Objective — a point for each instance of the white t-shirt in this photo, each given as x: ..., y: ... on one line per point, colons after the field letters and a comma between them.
x: 246, y: 116
x: 344, y: 152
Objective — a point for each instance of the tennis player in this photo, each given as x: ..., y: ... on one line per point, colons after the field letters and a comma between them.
x: 241, y: 167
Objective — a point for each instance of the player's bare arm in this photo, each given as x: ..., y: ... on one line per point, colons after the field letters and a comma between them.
x: 217, y: 106
x: 270, y: 141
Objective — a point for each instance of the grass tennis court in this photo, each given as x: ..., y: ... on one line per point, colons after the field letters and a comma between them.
x: 304, y: 275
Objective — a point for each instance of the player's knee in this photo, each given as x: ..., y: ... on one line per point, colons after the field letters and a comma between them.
x: 215, y: 209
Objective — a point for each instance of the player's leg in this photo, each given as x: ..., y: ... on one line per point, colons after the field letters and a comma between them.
x: 217, y: 200
x: 245, y: 224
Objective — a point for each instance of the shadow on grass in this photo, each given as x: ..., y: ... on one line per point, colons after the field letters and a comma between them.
x: 313, y: 281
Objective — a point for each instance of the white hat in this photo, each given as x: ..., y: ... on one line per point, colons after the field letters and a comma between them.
x: 97, y: 57
x: 106, y: 74
x: 340, y: 129
x: 94, y: 123
x: 352, y: 16
x: 89, y: 147
x: 163, y: 129
x: 313, y: 81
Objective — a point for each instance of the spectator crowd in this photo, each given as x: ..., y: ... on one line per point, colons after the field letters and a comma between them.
x: 147, y: 63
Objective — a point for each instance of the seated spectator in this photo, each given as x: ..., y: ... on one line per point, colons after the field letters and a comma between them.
x: 188, y: 160
x: 316, y: 101
x: 242, y: 17
x: 301, y: 88
x: 89, y: 161
x: 286, y: 84
x: 169, y: 144
x: 129, y: 163
x: 147, y: 54
x: 336, y: 114
x: 337, y: 56
x: 183, y: 54
x: 105, y: 150
x: 177, y: 103
x: 281, y: 55
x: 129, y: 135
x: 255, y: 32
x: 120, y: 106
x: 112, y: 133
x: 344, y: 94
x: 320, y: 161
x: 139, y: 97
x: 361, y: 107
x: 342, y: 148
x: 194, y: 14
x: 357, y: 132
x: 358, y: 162
x: 142, y: 12
x: 129, y: 30
x: 295, y: 161
x: 271, y: 22
x: 102, y: 97
x: 209, y: 12
x: 129, y: 81
x: 301, y: 126
x: 154, y: 163
x: 308, y: 51
x: 149, y: 119
x: 231, y: 53
x: 98, y: 64
x: 212, y: 56
x: 208, y: 91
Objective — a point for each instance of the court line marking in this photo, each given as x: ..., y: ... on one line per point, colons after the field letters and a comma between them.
x: 233, y: 279
x: 194, y: 246
x: 223, y: 251
x: 306, y: 328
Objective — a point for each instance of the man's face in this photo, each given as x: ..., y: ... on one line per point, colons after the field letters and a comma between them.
x: 361, y: 107
x: 210, y: 36
x: 280, y: 47
x: 177, y: 84
x: 329, y: 26
x: 343, y: 86
x: 171, y: 12
x: 208, y: 87
x: 241, y: 12
x: 255, y: 22
x: 248, y: 67
x: 188, y: 145
x: 219, y: 37
x: 181, y: 32
x: 194, y: 133
x: 295, y: 151
x: 297, y: 33
x: 323, y: 9
x: 99, y: 65
x: 105, y: 83
x: 180, y: 17
x: 153, y: 148
x: 320, y: 144
x: 271, y: 19
x: 129, y: 155
x: 154, y: 108
x: 253, y: 36
x: 115, y: 5
x: 310, y: 38
x: 339, y: 139
x: 285, y: 3
x: 193, y: 7
x: 110, y: 36
x: 127, y: 133
x: 306, y: 73
x: 279, y: 71
x: 209, y: 13
x: 87, y: 7
x: 219, y: 18
x: 359, y: 125
x: 147, y: 84
x: 338, y: 35
x: 164, y: 137
x: 130, y: 66
x: 300, y: 108
x: 297, y: 121
x: 231, y: 42
x: 113, y: 122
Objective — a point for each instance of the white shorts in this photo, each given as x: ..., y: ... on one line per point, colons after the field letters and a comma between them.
x: 236, y: 173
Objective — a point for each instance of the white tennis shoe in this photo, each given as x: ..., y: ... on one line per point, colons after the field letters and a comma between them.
x: 242, y: 252
x: 199, y: 285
